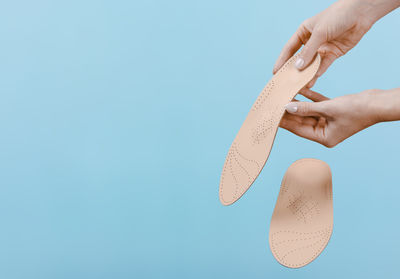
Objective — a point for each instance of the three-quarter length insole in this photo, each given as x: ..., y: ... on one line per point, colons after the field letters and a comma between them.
x: 252, y: 145
x: 302, y: 221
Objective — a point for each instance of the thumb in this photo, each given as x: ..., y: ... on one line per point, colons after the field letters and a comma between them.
x: 309, y: 50
x: 305, y: 108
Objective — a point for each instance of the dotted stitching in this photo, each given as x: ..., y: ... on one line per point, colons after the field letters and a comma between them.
x: 264, y: 95
x: 266, y: 124
x: 243, y: 157
x: 279, y: 112
x: 304, y: 208
x: 324, y: 233
x: 232, y: 154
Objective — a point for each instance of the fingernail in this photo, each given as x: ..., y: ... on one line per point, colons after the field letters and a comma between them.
x: 299, y: 63
x: 291, y: 107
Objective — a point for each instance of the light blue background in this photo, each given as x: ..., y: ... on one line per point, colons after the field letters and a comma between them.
x: 115, y: 120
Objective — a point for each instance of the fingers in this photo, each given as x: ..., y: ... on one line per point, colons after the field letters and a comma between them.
x: 310, y: 49
x: 300, y: 120
x: 312, y: 82
x: 303, y: 130
x: 306, y: 108
x: 294, y: 43
x: 312, y: 95
x: 327, y: 58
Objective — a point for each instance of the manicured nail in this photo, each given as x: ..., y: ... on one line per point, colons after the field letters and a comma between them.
x: 299, y: 63
x: 291, y: 107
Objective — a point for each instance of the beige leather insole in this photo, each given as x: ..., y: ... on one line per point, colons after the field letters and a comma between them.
x: 302, y: 222
x: 252, y: 145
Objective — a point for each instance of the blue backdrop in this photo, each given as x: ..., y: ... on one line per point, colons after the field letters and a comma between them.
x: 116, y: 117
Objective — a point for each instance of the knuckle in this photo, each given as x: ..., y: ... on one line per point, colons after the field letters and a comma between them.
x: 318, y: 31
x: 322, y: 107
x: 304, y: 108
x: 329, y: 143
x: 303, y: 25
x: 306, y: 23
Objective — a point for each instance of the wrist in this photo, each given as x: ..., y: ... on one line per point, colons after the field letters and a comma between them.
x: 384, y: 105
x: 373, y: 10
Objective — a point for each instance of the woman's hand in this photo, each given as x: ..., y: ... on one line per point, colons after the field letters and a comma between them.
x: 333, y: 32
x: 330, y: 121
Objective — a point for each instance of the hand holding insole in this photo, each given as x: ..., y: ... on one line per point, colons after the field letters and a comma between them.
x: 302, y: 221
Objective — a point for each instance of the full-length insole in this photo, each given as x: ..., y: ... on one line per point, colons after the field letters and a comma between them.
x: 252, y: 145
x: 302, y: 222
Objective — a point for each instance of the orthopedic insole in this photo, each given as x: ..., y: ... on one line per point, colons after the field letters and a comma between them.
x: 302, y: 222
x: 252, y: 145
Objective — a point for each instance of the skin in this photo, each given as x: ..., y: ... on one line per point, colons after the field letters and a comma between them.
x: 330, y: 121
x: 332, y: 33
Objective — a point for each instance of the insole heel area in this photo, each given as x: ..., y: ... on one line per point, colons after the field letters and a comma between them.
x: 302, y: 221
